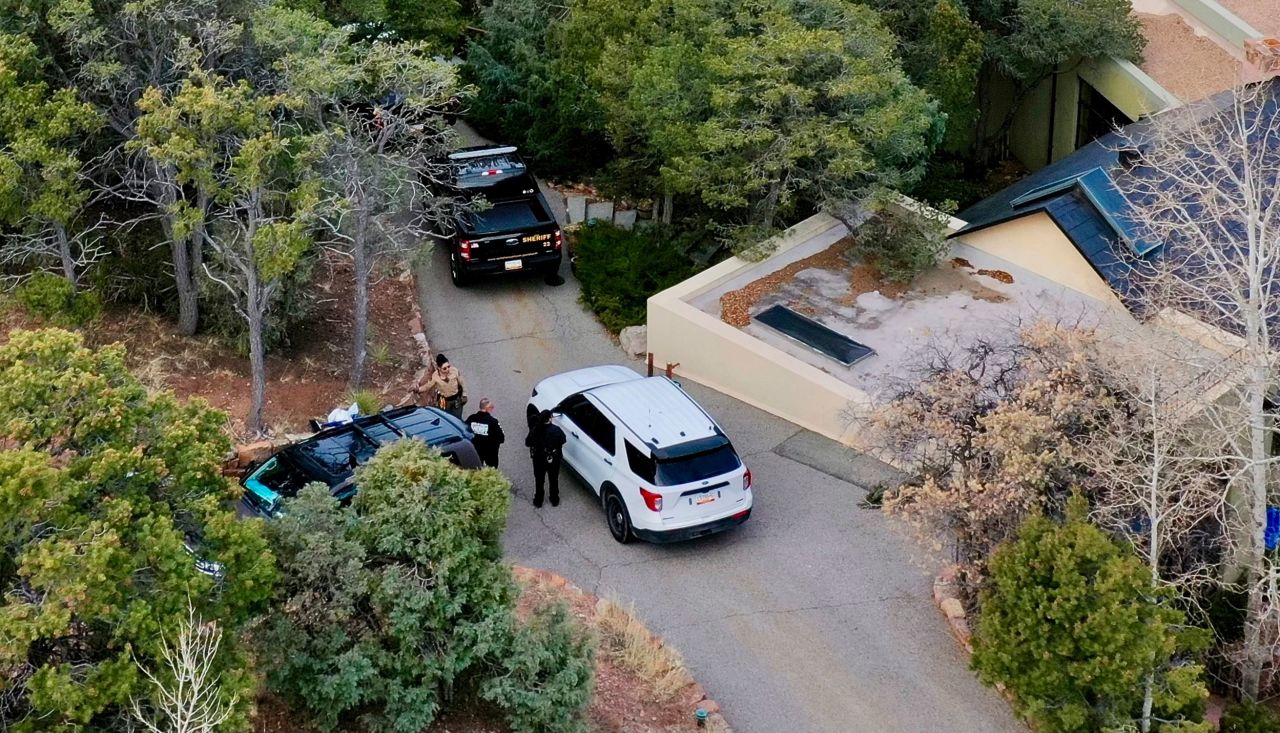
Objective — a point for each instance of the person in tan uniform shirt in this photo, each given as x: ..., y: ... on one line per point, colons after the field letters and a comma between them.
x: 451, y: 391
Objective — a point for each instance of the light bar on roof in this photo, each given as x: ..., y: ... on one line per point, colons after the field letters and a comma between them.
x: 485, y: 153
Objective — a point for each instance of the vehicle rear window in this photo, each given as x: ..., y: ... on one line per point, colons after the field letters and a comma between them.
x: 505, y: 162
x: 697, y: 466
x: 506, y: 217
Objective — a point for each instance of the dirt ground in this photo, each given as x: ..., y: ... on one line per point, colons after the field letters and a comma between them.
x: 305, y: 380
x: 623, y: 702
x: 736, y: 305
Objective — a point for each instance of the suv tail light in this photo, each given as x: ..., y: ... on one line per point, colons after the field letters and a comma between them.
x: 559, y: 239
x: 464, y: 249
x: 746, y: 480
x: 652, y: 499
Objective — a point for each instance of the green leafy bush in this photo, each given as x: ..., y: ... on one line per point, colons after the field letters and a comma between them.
x: 620, y: 269
x: 902, y: 243
x: 1071, y: 625
x: 110, y: 484
x: 391, y: 607
x: 55, y: 299
x: 545, y: 677
x: 1249, y: 717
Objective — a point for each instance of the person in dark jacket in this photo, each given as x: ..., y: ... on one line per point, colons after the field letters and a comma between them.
x: 488, y: 432
x: 546, y: 448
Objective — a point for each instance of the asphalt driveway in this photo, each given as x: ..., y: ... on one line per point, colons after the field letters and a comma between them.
x: 813, y: 617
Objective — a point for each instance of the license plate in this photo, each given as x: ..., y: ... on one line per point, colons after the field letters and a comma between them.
x: 705, y: 499
x: 513, y: 264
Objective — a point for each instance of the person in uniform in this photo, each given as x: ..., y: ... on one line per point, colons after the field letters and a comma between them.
x: 451, y: 392
x: 546, y: 448
x: 488, y: 433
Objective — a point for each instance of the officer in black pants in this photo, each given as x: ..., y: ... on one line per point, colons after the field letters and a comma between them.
x: 546, y: 448
x: 488, y: 433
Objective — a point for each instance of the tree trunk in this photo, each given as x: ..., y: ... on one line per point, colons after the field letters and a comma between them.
x: 64, y: 254
x: 668, y: 207
x: 257, y: 358
x: 769, y: 205
x: 1255, y: 520
x: 184, y: 279
x: 1153, y: 541
x: 360, y: 328
x: 986, y: 141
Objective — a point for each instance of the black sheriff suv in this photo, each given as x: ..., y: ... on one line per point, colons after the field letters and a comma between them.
x: 502, y: 222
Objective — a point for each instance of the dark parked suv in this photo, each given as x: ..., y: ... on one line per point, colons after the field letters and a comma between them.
x: 503, y: 223
x: 331, y: 456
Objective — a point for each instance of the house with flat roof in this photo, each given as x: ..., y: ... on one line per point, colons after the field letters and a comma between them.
x: 1058, y: 245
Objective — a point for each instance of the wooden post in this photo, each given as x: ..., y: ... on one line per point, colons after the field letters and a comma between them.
x: 651, y: 363
x: 671, y: 369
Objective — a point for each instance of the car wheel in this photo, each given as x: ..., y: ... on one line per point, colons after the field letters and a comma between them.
x: 456, y: 274
x: 615, y: 513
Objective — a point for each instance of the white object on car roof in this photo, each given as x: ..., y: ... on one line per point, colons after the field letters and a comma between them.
x: 483, y: 153
x: 343, y: 415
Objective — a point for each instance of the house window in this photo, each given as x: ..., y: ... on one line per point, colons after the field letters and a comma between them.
x: 1096, y: 116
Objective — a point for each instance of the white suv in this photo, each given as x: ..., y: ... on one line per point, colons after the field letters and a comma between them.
x: 663, y: 469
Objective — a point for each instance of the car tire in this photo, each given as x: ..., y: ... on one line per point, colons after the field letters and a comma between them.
x: 456, y: 274
x: 617, y: 517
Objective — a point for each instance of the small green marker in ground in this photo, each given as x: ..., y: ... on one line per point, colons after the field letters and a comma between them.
x: 700, y: 715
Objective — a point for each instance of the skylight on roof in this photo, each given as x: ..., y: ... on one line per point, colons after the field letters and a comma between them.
x: 1102, y: 194
x: 1041, y: 193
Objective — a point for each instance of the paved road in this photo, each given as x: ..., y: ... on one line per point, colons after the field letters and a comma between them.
x: 814, y: 617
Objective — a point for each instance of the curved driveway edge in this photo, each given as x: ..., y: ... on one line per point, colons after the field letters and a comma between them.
x: 695, y: 690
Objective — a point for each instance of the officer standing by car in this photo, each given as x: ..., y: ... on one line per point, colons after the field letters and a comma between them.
x: 546, y: 448
x: 451, y: 392
x: 488, y: 433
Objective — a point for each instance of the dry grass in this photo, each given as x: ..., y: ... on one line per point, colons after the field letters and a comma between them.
x: 631, y: 645
x: 155, y: 369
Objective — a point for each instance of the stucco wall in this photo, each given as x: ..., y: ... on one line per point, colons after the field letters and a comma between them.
x: 720, y: 356
x: 1126, y: 86
x: 1035, y: 243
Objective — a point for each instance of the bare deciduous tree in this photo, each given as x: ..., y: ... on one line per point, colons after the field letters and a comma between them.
x: 996, y: 433
x: 1153, y: 484
x: 186, y: 696
x: 1202, y: 181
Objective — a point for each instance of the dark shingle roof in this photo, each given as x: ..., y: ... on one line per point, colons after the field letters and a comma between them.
x: 1079, y: 194
x: 1089, y: 221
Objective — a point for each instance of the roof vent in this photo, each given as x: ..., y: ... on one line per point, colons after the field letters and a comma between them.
x: 1128, y: 157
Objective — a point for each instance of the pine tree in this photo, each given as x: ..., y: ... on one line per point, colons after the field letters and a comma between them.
x: 1072, y: 627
